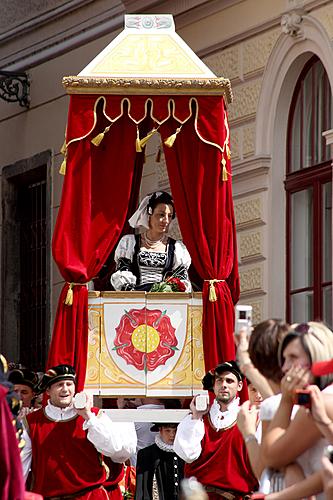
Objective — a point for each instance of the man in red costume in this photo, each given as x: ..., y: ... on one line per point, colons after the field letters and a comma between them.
x: 211, y: 443
x: 64, y: 445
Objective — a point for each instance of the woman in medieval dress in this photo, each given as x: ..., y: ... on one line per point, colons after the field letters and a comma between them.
x: 151, y: 260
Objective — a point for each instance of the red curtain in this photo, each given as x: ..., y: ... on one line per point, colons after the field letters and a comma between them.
x: 101, y: 186
x: 97, y: 191
x: 205, y: 212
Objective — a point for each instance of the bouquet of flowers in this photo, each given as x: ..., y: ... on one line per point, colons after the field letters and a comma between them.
x: 172, y: 284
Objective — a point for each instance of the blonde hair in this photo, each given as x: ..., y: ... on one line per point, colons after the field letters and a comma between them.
x: 317, y: 341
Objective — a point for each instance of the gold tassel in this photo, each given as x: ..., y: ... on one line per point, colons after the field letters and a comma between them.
x: 224, y: 170
x: 228, y: 151
x: 212, y: 293
x: 99, y: 137
x: 62, y: 169
x: 144, y: 140
x: 138, y: 147
x: 63, y: 148
x: 170, y: 140
x: 69, y: 297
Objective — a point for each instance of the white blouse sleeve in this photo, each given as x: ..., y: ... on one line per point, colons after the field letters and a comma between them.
x: 188, y: 439
x: 124, y: 252
x: 182, y: 261
x: 26, y: 453
x: 114, y: 439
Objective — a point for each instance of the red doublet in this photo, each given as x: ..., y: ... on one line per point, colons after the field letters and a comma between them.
x: 63, y: 460
x: 223, y: 462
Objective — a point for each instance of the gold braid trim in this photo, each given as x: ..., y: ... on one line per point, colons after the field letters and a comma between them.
x: 169, y: 141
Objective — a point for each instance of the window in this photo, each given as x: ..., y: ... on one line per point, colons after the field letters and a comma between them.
x: 309, y: 199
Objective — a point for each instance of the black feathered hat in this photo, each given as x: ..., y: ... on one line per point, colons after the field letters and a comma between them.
x: 23, y: 376
x: 55, y: 374
x: 156, y: 427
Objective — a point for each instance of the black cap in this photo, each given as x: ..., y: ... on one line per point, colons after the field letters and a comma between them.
x: 23, y: 376
x: 156, y: 427
x: 55, y: 374
x: 227, y: 366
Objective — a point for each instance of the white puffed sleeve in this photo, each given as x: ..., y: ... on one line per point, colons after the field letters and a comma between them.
x: 181, y: 263
x: 124, y: 278
x: 26, y: 453
x: 114, y: 439
x: 188, y: 439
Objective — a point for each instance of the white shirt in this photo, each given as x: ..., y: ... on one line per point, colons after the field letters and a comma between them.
x: 144, y: 435
x: 114, y: 439
x: 190, y: 432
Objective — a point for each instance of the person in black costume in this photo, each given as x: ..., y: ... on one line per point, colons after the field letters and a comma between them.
x: 151, y: 256
x: 159, y: 462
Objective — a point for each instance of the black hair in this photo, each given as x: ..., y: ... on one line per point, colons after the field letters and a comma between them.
x: 160, y: 197
x: 228, y: 366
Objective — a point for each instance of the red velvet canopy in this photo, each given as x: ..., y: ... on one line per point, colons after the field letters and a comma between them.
x: 101, y: 189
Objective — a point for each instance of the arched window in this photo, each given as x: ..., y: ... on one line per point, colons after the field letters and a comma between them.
x: 309, y: 198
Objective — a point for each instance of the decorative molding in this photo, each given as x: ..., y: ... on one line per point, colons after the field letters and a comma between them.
x: 225, y: 62
x: 291, y: 23
x: 148, y: 22
x: 256, y: 51
x: 108, y: 85
x: 235, y: 143
x: 245, y: 101
x: 325, y: 16
x: 19, y: 20
x: 248, y: 146
x: 252, y: 167
x: 248, y: 212
x: 252, y: 280
x: 328, y: 135
x: 250, y: 245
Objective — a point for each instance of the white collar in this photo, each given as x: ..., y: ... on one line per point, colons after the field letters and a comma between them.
x: 162, y: 445
x: 59, y: 414
x: 223, y: 419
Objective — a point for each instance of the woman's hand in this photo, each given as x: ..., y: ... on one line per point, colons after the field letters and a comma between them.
x: 247, y: 419
x: 242, y: 342
x: 327, y: 476
x: 318, y: 409
x: 295, y: 378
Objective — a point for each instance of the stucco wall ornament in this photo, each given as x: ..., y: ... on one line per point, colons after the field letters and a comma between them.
x: 291, y: 23
x: 148, y: 22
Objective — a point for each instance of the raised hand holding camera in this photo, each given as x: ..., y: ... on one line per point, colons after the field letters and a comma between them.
x: 243, y: 318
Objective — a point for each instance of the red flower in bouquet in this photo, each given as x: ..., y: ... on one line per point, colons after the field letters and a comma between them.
x: 176, y: 284
x: 145, y: 338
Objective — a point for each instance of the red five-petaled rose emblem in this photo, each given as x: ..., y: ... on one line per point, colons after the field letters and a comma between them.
x: 145, y: 338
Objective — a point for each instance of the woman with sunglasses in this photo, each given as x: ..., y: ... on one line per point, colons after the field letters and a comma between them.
x: 300, y: 439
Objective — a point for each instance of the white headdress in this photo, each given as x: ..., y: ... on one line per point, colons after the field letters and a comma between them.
x: 140, y: 218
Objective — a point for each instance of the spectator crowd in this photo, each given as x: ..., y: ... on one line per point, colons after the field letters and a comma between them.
x: 265, y: 433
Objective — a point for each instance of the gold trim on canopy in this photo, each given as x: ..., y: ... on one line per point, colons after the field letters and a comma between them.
x: 146, y: 86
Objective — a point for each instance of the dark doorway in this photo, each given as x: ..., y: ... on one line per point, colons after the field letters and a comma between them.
x: 26, y: 261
